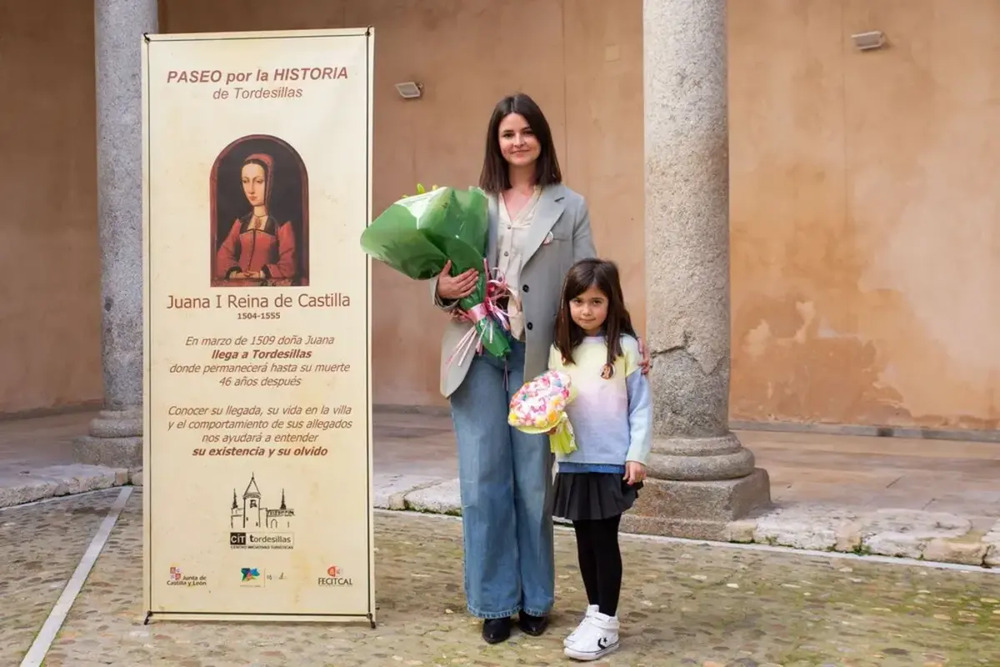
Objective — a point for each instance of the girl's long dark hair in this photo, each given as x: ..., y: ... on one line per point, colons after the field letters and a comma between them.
x: 603, y: 275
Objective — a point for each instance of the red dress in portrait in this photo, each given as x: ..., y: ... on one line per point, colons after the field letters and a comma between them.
x: 254, y: 245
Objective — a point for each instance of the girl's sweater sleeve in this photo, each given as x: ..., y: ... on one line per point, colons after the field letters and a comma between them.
x: 555, y: 359
x: 640, y: 417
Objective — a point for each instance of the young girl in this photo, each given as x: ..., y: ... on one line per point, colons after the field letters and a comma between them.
x: 611, y: 417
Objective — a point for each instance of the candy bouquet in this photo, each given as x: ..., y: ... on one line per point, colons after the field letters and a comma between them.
x: 418, y: 234
x: 540, y: 407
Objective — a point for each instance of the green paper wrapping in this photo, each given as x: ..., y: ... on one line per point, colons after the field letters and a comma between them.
x: 417, y: 236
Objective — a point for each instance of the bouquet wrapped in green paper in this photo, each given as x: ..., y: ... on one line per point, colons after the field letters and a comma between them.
x: 417, y: 235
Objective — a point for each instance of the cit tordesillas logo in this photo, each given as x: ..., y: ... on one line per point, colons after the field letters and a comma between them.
x: 335, y: 577
x: 256, y: 525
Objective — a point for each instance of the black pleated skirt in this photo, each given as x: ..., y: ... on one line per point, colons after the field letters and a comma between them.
x: 581, y: 496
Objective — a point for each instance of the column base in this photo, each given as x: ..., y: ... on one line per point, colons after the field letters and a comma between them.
x: 696, y: 509
x: 700, y: 459
x: 115, y: 440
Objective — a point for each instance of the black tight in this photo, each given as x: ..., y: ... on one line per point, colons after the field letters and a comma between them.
x: 600, y: 561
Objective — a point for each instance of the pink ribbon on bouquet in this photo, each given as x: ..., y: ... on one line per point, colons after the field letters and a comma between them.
x: 496, y: 289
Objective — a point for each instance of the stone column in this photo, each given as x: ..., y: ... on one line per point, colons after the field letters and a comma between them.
x: 116, y: 434
x: 700, y: 476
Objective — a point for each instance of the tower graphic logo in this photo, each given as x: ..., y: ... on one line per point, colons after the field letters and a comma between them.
x: 255, y: 525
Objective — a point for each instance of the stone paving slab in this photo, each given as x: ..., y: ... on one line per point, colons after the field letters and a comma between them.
x: 32, y: 484
x: 42, y: 545
x: 390, y: 489
x: 904, y: 533
x: 992, y: 541
x: 441, y: 498
x: 682, y: 604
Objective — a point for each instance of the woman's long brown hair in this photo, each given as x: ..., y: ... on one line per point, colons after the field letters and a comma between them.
x: 603, y: 275
x: 495, y: 175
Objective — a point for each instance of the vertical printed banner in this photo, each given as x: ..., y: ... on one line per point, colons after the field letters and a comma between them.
x: 258, y: 456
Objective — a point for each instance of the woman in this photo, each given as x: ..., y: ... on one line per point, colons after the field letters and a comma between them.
x: 538, y: 229
x: 257, y: 246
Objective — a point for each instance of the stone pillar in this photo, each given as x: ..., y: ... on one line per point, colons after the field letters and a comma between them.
x: 699, y: 475
x: 116, y: 435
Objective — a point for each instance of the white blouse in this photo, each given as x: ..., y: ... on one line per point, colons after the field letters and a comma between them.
x: 511, y: 235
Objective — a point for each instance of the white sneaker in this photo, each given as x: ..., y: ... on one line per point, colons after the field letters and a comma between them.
x: 597, y: 638
x: 591, y: 610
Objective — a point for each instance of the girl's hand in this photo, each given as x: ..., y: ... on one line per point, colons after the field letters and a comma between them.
x: 452, y: 288
x: 646, y: 362
x: 635, y: 472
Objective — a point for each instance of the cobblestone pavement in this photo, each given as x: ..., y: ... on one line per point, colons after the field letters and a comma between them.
x: 41, y: 546
x: 683, y: 604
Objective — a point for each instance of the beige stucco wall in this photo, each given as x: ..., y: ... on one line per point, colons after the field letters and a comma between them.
x: 580, y: 59
x: 50, y: 317
x: 866, y: 238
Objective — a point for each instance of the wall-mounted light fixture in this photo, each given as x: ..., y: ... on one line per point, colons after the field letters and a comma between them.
x: 866, y: 41
x: 409, y: 90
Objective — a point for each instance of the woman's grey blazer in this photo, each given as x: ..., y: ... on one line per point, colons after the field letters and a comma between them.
x: 559, y: 237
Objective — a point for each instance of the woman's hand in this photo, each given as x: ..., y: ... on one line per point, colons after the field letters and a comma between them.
x: 635, y: 472
x: 452, y: 288
x: 646, y: 362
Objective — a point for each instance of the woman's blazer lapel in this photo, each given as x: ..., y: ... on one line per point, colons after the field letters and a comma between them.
x: 550, y: 207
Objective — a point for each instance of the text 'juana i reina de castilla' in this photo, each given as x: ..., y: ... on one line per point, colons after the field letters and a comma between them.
x: 331, y: 300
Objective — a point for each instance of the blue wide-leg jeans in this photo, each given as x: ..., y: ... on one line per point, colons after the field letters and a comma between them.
x: 506, y: 487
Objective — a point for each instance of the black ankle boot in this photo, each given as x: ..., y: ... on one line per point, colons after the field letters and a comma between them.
x: 532, y: 625
x: 496, y: 630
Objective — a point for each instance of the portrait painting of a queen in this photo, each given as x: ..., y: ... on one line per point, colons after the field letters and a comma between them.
x: 258, y: 245
x: 259, y: 215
